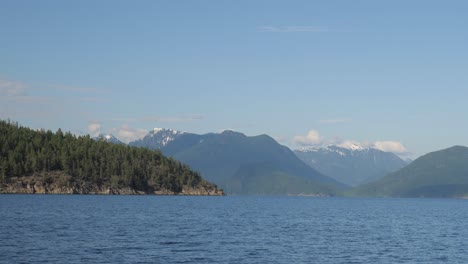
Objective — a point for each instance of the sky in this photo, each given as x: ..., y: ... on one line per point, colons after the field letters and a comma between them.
x: 389, y: 74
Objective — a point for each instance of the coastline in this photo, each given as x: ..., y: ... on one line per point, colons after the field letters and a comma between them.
x: 44, y: 185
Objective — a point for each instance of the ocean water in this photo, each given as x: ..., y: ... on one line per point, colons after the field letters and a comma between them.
x: 237, y: 229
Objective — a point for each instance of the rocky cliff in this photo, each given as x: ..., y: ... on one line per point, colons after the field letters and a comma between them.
x: 58, y: 183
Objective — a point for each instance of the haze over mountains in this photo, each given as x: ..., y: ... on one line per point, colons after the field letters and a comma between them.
x: 442, y: 173
x: 259, y: 165
x: 229, y: 157
x: 352, y: 165
x: 240, y: 164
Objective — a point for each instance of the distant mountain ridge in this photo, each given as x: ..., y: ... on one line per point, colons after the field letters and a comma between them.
x: 351, y: 164
x: 108, y: 138
x: 442, y: 173
x: 220, y: 158
x: 157, y: 138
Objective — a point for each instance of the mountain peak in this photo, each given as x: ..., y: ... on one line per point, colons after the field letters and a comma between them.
x: 232, y: 133
x: 108, y: 138
x: 351, y: 163
x: 157, y: 138
x: 157, y: 130
x: 351, y: 145
x: 348, y: 145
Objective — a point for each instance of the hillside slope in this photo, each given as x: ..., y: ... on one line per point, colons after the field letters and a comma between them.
x: 351, y: 166
x: 42, y: 161
x: 220, y: 157
x: 442, y: 173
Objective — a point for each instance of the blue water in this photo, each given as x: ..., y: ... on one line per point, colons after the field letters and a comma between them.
x: 165, y: 229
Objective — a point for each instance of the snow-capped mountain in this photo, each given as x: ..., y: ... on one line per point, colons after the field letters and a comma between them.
x: 108, y: 138
x: 351, y: 163
x: 239, y: 163
x: 157, y: 138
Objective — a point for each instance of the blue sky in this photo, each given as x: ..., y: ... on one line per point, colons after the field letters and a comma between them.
x: 386, y: 73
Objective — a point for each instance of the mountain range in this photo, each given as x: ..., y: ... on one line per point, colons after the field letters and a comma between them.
x: 259, y: 165
x: 442, y: 173
x: 241, y: 164
x: 352, y: 165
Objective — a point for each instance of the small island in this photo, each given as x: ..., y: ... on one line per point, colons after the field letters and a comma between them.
x: 43, y: 162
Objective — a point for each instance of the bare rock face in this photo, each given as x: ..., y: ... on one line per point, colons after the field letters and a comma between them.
x: 205, y: 190
x: 59, y: 183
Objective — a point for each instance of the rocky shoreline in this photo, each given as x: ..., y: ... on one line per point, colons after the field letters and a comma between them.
x: 44, y: 185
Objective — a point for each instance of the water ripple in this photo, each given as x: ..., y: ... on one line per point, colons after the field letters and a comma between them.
x: 153, y: 229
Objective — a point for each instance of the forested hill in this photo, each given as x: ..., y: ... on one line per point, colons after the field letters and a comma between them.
x: 45, y: 162
x: 442, y: 173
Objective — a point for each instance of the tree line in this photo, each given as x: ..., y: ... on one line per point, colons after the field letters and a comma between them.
x: 24, y: 152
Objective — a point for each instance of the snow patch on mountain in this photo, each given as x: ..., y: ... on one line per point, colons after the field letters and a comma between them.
x: 157, y: 129
x: 108, y: 138
x: 164, y: 136
x: 308, y: 149
x: 351, y: 145
x: 157, y: 138
x: 351, y: 162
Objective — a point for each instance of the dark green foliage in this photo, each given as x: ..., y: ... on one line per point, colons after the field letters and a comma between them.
x: 222, y: 157
x: 267, y: 179
x: 24, y: 152
x: 442, y: 173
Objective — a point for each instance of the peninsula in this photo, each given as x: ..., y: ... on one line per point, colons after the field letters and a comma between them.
x: 39, y: 161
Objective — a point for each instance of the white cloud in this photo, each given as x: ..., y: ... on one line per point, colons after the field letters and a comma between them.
x: 312, y: 138
x: 390, y: 146
x: 127, y: 134
x: 12, y: 88
x: 387, y: 146
x: 94, y: 128
x: 286, y: 29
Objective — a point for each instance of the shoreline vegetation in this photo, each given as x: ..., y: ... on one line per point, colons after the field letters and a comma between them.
x: 39, y: 161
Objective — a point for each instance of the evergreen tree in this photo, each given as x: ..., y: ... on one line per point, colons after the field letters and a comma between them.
x: 24, y: 152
